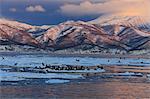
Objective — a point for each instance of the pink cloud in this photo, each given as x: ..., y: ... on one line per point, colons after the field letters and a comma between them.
x: 123, y: 7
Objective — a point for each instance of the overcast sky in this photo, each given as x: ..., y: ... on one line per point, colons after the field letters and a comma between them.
x: 39, y: 12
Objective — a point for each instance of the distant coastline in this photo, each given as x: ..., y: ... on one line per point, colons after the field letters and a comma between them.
x: 93, y: 55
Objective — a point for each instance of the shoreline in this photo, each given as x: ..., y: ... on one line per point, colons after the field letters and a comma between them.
x: 100, y: 55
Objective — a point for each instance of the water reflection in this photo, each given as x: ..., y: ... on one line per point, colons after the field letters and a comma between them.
x: 104, y: 90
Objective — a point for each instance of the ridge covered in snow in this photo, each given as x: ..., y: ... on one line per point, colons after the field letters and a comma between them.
x: 15, y: 24
x: 142, y: 22
x: 123, y: 33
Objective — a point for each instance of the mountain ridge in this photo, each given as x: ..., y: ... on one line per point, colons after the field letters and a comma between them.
x: 128, y: 21
x: 71, y: 34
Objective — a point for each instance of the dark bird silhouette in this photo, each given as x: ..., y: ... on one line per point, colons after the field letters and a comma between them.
x: 95, y: 68
x: 47, y: 71
x: 142, y: 62
x: 47, y: 66
x: 43, y: 64
x: 36, y: 67
x: 77, y: 60
x: 3, y: 58
x: 15, y: 64
x: 88, y: 68
x: 119, y: 61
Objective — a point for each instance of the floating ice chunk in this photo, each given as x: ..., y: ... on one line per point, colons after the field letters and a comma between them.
x: 52, y: 81
x: 11, y: 76
x: 78, y: 71
x: 11, y: 79
x: 129, y: 74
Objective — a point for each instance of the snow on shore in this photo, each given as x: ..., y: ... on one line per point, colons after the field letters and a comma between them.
x: 16, y: 76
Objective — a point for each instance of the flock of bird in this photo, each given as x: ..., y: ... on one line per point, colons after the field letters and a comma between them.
x: 66, y: 67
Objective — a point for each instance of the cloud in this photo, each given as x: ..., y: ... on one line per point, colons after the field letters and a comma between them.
x: 121, y: 7
x: 36, y: 8
x: 12, y: 9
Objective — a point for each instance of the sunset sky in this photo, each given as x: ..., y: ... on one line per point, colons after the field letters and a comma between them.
x: 39, y: 12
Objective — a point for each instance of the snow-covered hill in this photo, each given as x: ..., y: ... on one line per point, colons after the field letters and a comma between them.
x: 140, y: 22
x: 117, y: 33
x: 15, y: 33
x: 15, y: 24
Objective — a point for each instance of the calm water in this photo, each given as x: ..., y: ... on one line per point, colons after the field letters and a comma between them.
x: 85, y: 90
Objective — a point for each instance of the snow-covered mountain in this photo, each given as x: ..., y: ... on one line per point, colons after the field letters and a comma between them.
x: 140, y: 22
x: 116, y: 33
x: 12, y: 32
x: 15, y: 24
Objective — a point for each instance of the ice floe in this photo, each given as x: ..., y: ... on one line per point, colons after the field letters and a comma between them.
x: 14, y: 76
x: 52, y: 81
x: 129, y: 74
x: 77, y: 71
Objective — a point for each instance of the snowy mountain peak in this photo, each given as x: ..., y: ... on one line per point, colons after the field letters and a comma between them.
x: 129, y: 21
x: 15, y: 24
x: 128, y: 33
